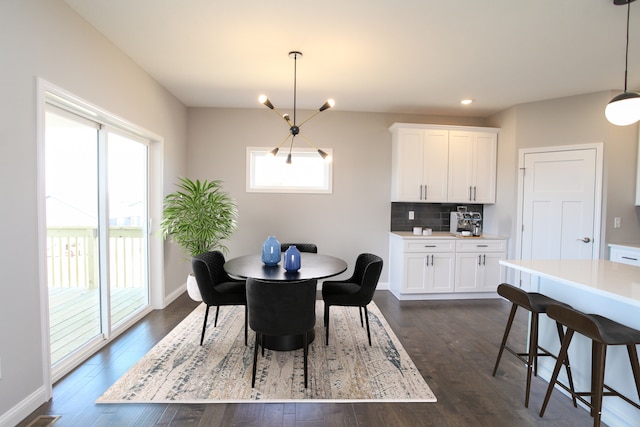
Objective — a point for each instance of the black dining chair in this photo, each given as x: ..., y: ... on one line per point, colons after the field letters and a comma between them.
x: 281, y: 309
x: 302, y: 247
x: 357, y: 291
x: 217, y: 287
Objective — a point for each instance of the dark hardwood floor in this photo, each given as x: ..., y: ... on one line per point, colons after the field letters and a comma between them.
x: 453, y: 343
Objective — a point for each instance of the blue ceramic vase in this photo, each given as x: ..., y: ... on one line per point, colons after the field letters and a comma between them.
x: 271, y: 251
x: 292, y: 259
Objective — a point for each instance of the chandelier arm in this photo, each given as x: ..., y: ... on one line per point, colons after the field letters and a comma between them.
x: 315, y: 113
x: 293, y: 137
x: 308, y: 141
x: 282, y: 116
x: 283, y: 141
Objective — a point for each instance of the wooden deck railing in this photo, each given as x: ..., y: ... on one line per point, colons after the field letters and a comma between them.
x: 72, y: 257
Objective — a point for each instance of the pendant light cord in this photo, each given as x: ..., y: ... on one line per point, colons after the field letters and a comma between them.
x: 626, y: 55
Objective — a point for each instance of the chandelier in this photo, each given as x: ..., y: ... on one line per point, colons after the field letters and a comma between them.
x: 294, y: 126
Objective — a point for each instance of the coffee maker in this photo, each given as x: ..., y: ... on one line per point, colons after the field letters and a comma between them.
x: 465, y: 223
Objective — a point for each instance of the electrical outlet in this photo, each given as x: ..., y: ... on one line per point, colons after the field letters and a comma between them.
x: 411, y: 215
x: 617, y: 222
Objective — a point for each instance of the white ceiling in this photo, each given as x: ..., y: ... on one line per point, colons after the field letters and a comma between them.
x: 404, y: 56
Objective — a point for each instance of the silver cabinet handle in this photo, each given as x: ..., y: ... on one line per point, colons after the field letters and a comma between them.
x: 629, y: 258
x: 426, y: 260
x: 474, y: 193
x: 431, y: 259
x: 479, y: 259
x: 420, y: 191
x: 584, y: 239
x: 425, y: 191
x: 484, y: 260
x: 470, y: 193
x: 429, y: 246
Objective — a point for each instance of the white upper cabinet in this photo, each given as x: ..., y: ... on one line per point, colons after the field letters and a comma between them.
x: 437, y: 164
x: 419, y: 165
x: 472, y: 167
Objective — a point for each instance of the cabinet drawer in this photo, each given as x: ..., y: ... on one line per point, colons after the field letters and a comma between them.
x: 480, y: 245
x: 625, y: 256
x: 428, y: 245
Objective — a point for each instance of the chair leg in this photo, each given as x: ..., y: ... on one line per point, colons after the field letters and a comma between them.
x: 567, y: 366
x: 255, y: 361
x: 246, y: 332
x: 360, y: 311
x: 215, y: 321
x: 305, y: 345
x: 326, y: 323
x: 366, y: 316
x: 554, y: 377
x: 204, y: 325
x: 512, y: 315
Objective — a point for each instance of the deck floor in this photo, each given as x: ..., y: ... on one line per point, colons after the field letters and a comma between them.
x: 74, y: 315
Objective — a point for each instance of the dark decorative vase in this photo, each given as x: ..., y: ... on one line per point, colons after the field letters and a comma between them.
x: 271, y: 251
x: 292, y: 259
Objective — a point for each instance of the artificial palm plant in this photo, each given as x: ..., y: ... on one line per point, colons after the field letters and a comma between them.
x: 199, y: 216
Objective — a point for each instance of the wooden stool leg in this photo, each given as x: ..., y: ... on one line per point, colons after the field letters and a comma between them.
x: 567, y: 366
x: 599, y: 356
x: 532, y: 359
x: 635, y: 365
x: 512, y: 315
x: 561, y: 357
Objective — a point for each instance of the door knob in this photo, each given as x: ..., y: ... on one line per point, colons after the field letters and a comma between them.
x: 584, y: 239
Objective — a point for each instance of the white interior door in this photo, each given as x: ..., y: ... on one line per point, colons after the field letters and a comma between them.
x: 561, y: 200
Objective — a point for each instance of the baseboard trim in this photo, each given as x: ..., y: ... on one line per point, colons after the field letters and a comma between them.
x: 22, y: 410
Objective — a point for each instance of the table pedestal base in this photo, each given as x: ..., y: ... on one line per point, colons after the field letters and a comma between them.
x: 285, y: 343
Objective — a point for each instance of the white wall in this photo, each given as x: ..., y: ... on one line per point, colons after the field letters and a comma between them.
x: 47, y: 39
x: 569, y: 121
x: 352, y: 220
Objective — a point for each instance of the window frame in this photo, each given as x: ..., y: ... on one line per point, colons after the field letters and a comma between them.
x: 252, y: 153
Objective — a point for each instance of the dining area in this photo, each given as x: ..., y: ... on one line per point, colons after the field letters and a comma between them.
x: 278, y: 289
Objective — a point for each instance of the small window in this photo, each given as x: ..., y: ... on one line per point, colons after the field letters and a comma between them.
x: 307, y: 173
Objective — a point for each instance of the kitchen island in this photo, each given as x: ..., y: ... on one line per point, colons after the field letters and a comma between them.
x: 602, y: 287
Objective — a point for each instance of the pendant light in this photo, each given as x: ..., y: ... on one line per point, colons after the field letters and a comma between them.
x: 294, y: 127
x: 624, y: 109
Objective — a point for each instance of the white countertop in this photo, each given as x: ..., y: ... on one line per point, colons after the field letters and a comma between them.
x: 611, y: 279
x: 443, y: 235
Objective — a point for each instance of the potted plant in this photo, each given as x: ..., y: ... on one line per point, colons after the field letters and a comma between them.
x: 198, y: 217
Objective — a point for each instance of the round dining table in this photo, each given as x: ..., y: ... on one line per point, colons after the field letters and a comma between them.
x: 312, y: 266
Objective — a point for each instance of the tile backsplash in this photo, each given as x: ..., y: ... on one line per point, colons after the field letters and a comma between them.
x: 430, y: 215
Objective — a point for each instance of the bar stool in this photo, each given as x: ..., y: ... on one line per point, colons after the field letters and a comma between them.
x: 602, y: 332
x: 535, y: 303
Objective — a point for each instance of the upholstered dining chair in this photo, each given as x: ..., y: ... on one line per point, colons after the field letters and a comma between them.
x: 281, y: 309
x: 217, y: 287
x: 302, y: 247
x: 357, y: 291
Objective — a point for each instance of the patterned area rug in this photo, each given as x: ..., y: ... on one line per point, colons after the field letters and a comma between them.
x: 178, y: 369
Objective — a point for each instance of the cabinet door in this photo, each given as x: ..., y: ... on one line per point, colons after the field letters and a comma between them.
x: 477, y: 271
x: 408, y: 163
x: 468, y: 272
x: 415, y: 274
x: 472, y: 167
x: 436, y: 165
x: 484, y: 168
x: 492, y: 268
x: 440, y: 272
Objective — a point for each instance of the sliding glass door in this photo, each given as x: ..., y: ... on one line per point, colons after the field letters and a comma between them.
x: 96, y: 181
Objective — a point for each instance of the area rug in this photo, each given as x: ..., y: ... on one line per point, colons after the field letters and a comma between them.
x: 178, y: 369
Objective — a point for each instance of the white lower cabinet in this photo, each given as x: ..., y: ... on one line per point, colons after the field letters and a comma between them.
x: 444, y: 268
x: 429, y: 272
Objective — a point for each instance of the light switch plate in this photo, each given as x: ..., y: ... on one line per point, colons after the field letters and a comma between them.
x: 411, y: 215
